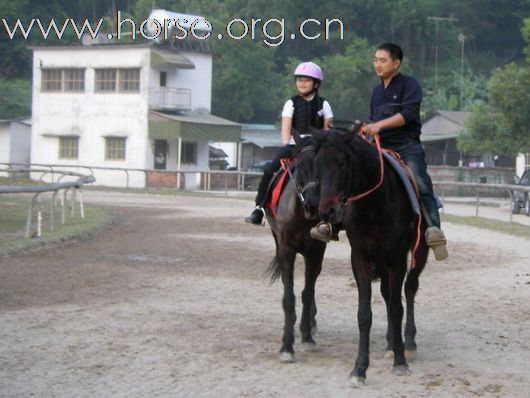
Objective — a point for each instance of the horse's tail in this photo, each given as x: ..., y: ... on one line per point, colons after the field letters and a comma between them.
x: 274, y: 269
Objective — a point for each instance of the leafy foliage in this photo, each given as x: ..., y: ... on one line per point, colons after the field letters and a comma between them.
x: 252, y: 80
x: 502, y: 125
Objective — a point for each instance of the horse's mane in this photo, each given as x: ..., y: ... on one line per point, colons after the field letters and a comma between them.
x: 361, y: 154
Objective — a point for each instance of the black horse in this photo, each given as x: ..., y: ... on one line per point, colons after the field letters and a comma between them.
x: 296, y: 214
x: 382, y: 229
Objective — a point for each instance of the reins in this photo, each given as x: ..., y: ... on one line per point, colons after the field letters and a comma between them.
x: 352, y: 199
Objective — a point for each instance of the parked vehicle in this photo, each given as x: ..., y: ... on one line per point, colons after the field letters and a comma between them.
x: 521, y: 200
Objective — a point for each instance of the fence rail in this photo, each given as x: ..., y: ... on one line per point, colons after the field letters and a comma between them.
x: 54, y: 187
x: 237, y: 180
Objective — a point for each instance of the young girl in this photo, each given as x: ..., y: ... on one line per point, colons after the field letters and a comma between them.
x: 304, y: 110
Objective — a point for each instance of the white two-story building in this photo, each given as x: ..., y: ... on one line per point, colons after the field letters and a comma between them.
x: 133, y: 106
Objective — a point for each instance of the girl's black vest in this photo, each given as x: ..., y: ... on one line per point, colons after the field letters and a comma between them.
x: 307, y: 113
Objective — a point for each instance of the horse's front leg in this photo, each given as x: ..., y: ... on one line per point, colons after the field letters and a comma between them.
x: 411, y: 288
x: 313, y: 266
x: 287, y: 258
x: 396, y: 274
x: 362, y: 273
x: 385, y: 292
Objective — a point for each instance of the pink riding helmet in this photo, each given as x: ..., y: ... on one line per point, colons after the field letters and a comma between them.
x: 309, y: 69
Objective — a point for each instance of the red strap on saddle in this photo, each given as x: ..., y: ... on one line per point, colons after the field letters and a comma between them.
x: 278, y: 187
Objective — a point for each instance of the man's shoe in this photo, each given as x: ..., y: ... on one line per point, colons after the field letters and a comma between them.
x: 435, y: 239
x: 324, y: 232
x: 256, y: 217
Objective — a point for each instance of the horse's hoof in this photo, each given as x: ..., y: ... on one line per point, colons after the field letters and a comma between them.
x: 287, y: 357
x: 410, y: 355
x: 309, y: 347
x: 357, y: 381
x: 401, y: 370
x: 389, y: 354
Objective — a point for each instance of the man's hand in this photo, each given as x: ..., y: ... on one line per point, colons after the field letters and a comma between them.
x: 371, y: 129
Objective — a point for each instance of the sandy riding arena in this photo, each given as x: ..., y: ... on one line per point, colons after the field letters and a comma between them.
x: 172, y: 301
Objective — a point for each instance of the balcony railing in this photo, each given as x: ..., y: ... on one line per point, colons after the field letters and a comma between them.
x: 170, y: 98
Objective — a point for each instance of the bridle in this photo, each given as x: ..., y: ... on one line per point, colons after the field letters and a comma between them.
x: 300, y: 191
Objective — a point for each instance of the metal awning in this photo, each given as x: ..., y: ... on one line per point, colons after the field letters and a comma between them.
x: 161, y: 58
x: 193, y: 127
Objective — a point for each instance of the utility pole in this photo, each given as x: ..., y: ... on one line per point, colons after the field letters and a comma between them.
x: 462, y: 40
x: 437, y: 21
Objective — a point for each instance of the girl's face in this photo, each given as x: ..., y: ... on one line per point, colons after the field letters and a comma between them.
x: 305, y: 85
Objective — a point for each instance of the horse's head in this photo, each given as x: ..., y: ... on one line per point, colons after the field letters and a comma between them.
x: 306, y: 184
x: 333, y: 170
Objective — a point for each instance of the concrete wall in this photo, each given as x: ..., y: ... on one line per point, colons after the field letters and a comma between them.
x: 199, y: 80
x: 476, y: 175
x: 5, y: 141
x: 20, y: 151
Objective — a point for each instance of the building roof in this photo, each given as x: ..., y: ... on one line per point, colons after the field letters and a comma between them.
x: 217, y: 153
x: 192, y: 126
x: 261, y: 135
x: 171, y: 58
x: 444, y: 125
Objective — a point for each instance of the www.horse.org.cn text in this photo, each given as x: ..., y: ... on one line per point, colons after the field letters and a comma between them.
x: 272, y: 31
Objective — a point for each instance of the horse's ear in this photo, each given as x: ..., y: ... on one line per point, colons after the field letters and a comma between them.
x: 356, y: 126
x: 296, y: 136
x: 352, y: 130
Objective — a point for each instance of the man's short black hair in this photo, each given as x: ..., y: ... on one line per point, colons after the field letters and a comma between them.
x: 393, y: 49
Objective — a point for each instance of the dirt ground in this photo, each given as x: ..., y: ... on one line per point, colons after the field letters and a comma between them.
x: 172, y: 301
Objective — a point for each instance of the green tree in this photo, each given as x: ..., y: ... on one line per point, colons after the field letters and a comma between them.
x: 15, y: 98
x: 245, y: 86
x: 502, y: 125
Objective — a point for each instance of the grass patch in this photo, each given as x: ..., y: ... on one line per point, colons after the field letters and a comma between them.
x: 13, y: 217
x: 509, y: 228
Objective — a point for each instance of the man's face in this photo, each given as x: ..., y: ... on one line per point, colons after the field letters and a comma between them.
x: 384, y: 66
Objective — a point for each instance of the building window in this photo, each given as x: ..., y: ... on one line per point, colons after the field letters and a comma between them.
x: 117, y: 80
x: 68, y: 147
x: 189, y: 152
x: 63, y: 80
x: 105, y: 80
x: 115, y: 148
x: 129, y: 79
x: 163, y: 79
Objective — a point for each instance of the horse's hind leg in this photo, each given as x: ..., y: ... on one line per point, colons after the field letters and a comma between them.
x: 313, y: 266
x: 411, y: 288
x: 287, y: 258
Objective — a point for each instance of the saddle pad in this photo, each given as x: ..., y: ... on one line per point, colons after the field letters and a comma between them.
x: 405, y: 179
x: 276, y: 187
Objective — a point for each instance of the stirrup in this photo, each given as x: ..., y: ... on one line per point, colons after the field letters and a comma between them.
x: 252, y: 219
x: 436, y: 240
x: 317, y: 234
